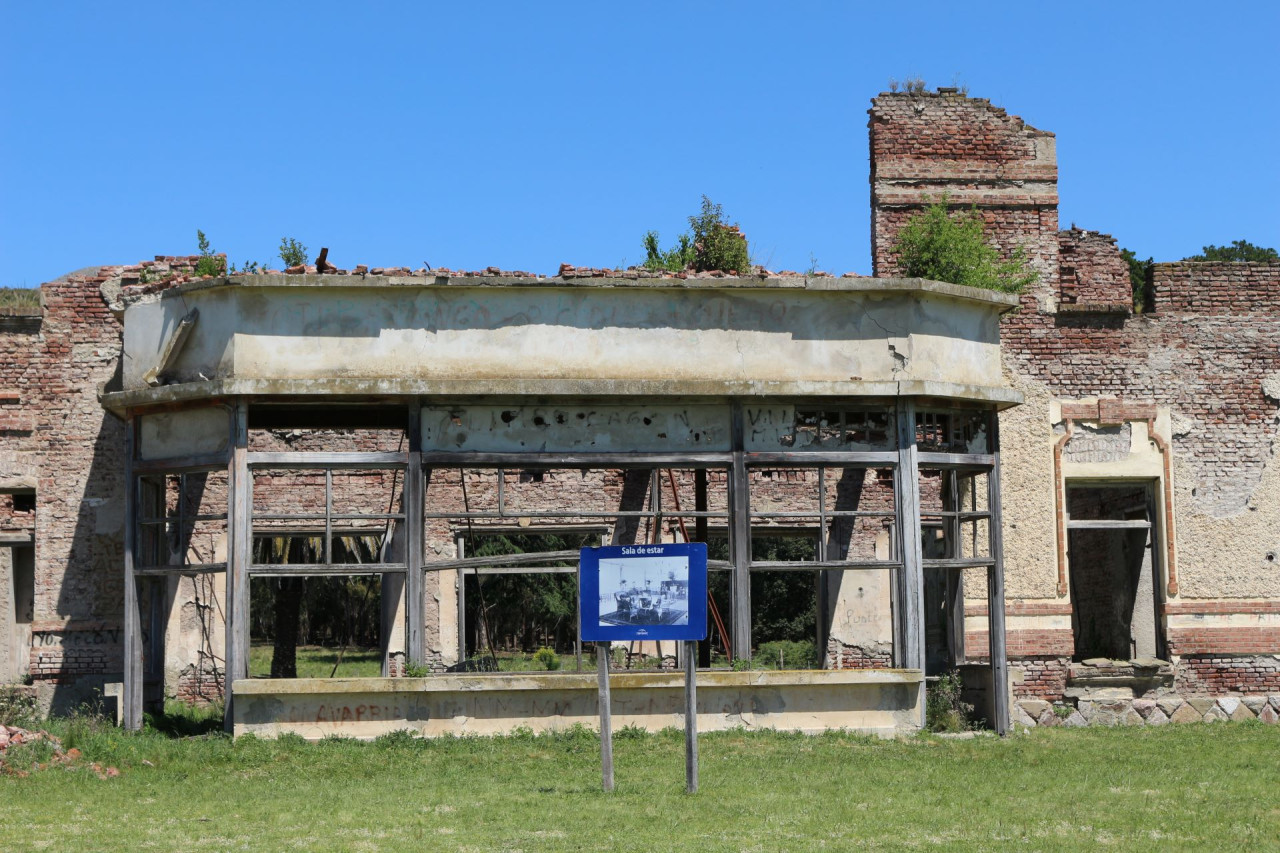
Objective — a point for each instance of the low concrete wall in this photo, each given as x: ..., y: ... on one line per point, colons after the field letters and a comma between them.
x: 882, y: 702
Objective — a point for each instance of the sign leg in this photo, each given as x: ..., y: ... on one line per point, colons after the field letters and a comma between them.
x: 691, y: 716
x: 606, y: 722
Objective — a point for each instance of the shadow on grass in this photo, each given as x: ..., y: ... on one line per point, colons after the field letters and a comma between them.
x: 180, y: 720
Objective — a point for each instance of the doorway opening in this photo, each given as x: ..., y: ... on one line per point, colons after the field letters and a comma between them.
x: 22, y: 576
x: 1113, y: 563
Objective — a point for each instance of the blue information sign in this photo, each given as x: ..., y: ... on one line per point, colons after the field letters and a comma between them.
x: 644, y: 592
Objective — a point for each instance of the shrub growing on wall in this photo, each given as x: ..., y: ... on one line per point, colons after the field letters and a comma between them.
x: 950, y: 246
x: 712, y: 244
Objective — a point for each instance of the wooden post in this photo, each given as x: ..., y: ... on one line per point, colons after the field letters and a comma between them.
x: 740, y: 538
x: 908, y: 647
x: 415, y: 581
x: 953, y: 591
x: 700, y: 535
x: 131, y: 713
x: 606, y: 721
x: 995, y: 591
x: 239, y: 555
x: 462, y: 602
x: 690, y: 717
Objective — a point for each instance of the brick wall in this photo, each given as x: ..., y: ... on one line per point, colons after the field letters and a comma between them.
x: 1209, y: 352
x: 1214, y: 288
x: 1092, y: 270
x: 925, y: 145
x: 1224, y: 673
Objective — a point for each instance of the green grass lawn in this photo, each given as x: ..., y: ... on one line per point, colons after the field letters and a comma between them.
x: 318, y: 661
x: 1209, y: 787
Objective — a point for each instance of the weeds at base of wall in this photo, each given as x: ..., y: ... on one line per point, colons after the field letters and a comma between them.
x: 18, y: 708
x: 944, y: 711
x: 416, y: 670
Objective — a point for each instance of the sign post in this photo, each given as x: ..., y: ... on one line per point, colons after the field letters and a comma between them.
x: 606, y: 721
x: 690, y: 717
x: 645, y: 592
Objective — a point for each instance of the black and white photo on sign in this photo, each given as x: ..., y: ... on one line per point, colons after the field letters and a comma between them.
x: 644, y: 591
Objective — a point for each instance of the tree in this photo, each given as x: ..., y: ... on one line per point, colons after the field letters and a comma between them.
x: 711, y: 244
x: 209, y: 263
x: 1137, y: 278
x: 1239, y: 250
x: 944, y: 246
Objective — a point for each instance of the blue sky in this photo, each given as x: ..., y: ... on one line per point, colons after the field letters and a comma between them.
x: 524, y: 135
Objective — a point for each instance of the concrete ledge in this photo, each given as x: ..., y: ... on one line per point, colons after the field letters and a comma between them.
x: 399, y: 387
x: 882, y: 702
x: 433, y: 278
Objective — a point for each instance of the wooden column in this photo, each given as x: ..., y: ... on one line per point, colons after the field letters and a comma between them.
x: 415, y: 581
x: 908, y: 645
x: 740, y: 537
x: 953, y: 591
x: 700, y: 535
x: 461, y: 575
x: 995, y: 591
x: 239, y: 555
x: 131, y: 698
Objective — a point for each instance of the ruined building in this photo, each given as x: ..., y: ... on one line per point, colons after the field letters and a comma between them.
x: 1104, y: 479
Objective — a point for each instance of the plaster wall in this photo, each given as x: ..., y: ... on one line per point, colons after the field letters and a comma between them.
x: 193, y: 432
x: 280, y: 329
x: 881, y: 702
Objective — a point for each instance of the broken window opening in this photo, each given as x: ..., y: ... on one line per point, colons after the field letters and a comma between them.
x: 955, y: 544
x: 315, y: 626
x: 20, y: 612
x: 182, y: 520
x: 844, y: 429
x: 507, y: 513
x: 327, y: 572
x: 1113, y: 567
x: 511, y: 611
x: 953, y: 431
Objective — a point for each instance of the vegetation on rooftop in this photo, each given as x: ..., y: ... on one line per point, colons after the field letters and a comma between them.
x: 209, y: 263
x: 292, y: 253
x: 710, y: 244
x: 19, y: 300
x: 944, y: 245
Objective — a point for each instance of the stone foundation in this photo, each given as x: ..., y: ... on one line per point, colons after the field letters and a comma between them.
x: 1151, y: 692
x: 1169, y: 708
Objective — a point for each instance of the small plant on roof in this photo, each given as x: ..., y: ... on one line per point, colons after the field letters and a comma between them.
x: 209, y: 263
x: 712, y: 244
x: 945, y: 246
x: 292, y: 253
x: 912, y: 85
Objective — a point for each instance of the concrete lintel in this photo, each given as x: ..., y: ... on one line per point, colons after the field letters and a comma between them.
x: 389, y: 387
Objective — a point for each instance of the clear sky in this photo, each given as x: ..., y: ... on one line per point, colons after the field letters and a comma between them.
x: 524, y: 135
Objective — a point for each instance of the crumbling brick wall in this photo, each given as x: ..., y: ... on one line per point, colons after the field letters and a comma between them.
x: 1092, y: 270
x: 79, y: 493
x: 55, y: 437
x: 926, y: 145
x: 1208, y: 352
